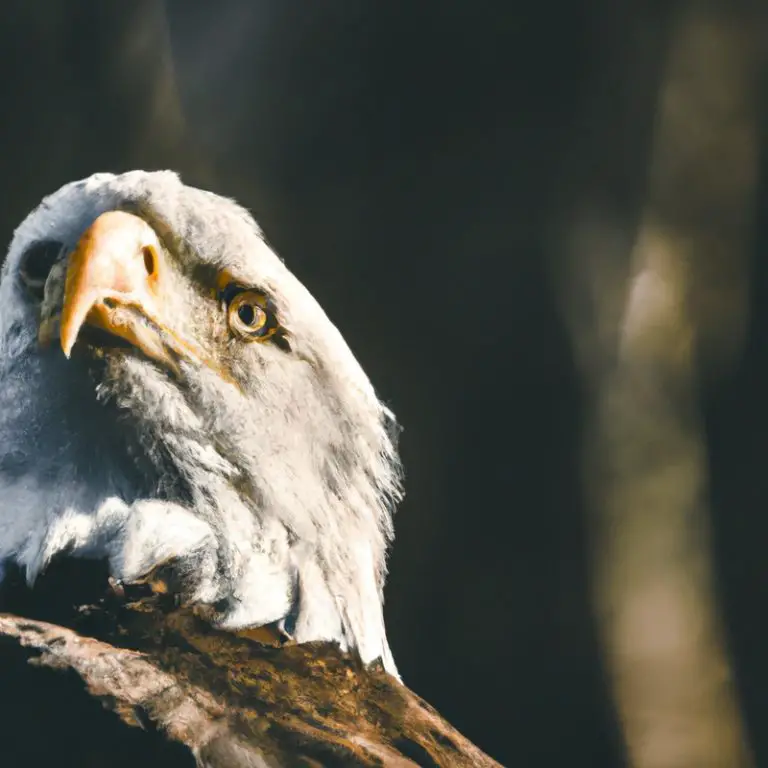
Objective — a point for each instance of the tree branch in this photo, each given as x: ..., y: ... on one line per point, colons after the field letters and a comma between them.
x: 231, y: 699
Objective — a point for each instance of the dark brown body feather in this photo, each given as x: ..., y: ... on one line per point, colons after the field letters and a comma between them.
x: 181, y: 688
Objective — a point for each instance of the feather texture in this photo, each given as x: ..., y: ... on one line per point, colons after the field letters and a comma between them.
x: 271, y: 488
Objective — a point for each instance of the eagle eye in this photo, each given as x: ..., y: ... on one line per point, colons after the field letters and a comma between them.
x: 36, y: 264
x: 250, y: 316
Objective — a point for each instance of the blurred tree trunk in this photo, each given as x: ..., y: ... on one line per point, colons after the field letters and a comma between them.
x: 665, y: 313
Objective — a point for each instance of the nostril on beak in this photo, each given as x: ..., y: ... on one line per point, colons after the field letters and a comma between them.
x: 150, y: 259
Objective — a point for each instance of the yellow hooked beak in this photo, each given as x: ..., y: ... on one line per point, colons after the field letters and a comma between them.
x: 116, y: 282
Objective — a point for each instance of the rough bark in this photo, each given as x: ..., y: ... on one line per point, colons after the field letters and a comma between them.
x: 231, y: 699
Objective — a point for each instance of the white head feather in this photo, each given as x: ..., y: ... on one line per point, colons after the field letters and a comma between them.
x: 279, y: 490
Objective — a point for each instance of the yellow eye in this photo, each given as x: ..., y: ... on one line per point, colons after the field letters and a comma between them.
x: 249, y: 317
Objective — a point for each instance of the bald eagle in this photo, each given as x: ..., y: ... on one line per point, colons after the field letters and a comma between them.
x: 209, y: 412
x: 175, y: 405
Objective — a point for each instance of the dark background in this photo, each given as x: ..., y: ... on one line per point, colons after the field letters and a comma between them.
x: 410, y: 160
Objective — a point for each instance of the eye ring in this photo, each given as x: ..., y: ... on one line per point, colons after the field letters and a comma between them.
x: 249, y: 317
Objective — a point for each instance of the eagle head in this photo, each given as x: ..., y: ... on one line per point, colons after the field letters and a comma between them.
x: 169, y: 391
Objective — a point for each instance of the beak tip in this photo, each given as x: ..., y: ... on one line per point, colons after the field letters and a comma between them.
x: 66, y: 345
